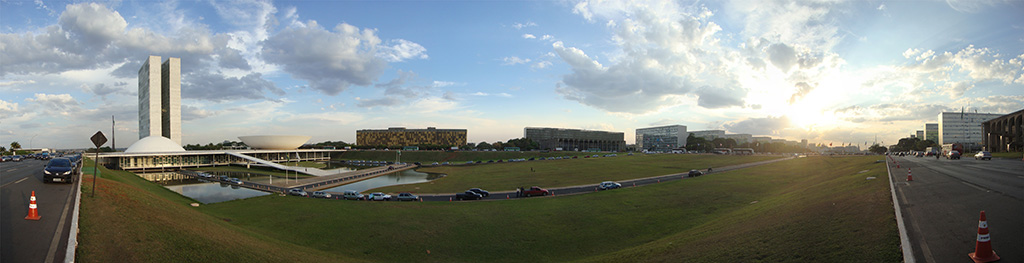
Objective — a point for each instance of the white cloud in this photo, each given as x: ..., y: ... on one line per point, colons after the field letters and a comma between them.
x: 541, y: 65
x: 667, y: 53
x: 400, y: 50
x: 513, y: 60
x: 529, y: 36
x: 332, y: 61
x: 522, y: 25
x: 547, y: 37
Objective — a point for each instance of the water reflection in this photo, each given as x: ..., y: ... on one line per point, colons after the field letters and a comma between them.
x: 213, y: 191
x: 399, y: 178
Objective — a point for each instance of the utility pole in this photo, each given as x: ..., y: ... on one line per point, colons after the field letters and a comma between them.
x: 113, y: 136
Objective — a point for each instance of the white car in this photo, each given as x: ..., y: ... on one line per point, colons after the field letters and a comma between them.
x: 378, y: 196
x: 983, y: 155
x: 608, y: 185
x: 321, y: 194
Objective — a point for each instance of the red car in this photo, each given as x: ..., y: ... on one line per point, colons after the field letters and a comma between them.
x: 532, y: 191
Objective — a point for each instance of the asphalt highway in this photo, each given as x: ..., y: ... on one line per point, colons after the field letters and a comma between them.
x: 23, y: 240
x: 941, y: 206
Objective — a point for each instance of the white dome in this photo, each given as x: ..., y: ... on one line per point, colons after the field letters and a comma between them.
x: 154, y: 144
x: 275, y: 142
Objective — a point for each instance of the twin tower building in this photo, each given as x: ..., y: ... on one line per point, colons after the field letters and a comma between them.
x: 160, y: 98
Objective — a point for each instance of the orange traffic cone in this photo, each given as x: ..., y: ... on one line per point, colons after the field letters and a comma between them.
x: 983, y: 248
x: 33, y: 214
x: 909, y: 176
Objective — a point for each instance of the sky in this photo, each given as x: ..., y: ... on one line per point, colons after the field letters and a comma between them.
x: 843, y: 72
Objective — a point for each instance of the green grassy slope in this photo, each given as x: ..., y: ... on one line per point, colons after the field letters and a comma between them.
x: 557, y: 173
x: 817, y: 209
x: 133, y: 220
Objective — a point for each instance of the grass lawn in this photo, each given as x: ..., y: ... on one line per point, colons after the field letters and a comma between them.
x: 817, y: 209
x: 456, y: 156
x: 259, y: 170
x: 557, y: 173
x: 134, y: 220
x: 1010, y: 155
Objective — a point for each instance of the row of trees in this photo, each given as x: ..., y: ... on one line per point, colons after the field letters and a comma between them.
x: 213, y: 146
x: 694, y: 143
x: 912, y: 144
x: 524, y: 144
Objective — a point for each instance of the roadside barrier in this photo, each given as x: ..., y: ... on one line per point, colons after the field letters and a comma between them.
x: 33, y: 214
x: 909, y: 176
x: 983, y: 247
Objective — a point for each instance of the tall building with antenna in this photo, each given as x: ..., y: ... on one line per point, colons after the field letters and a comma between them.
x: 160, y: 98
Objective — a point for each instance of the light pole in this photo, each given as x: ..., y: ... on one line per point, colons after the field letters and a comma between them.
x: 30, y: 140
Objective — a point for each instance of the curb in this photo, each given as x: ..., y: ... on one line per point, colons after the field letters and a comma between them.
x: 69, y: 255
x: 908, y: 251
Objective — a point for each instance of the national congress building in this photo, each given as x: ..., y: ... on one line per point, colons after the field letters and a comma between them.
x: 399, y: 136
x: 160, y: 98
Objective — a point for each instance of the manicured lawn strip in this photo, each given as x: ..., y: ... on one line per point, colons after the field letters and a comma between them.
x: 704, y: 219
x: 1010, y: 155
x: 131, y: 220
x: 256, y: 170
x: 828, y: 215
x: 428, y: 157
x: 132, y: 180
x: 557, y: 173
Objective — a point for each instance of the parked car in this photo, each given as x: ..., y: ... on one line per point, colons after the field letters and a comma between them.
x: 606, y: 185
x: 235, y: 181
x: 225, y: 178
x: 352, y: 195
x: 321, y: 194
x: 532, y: 191
x: 482, y: 192
x: 983, y: 155
x: 378, y: 196
x: 5, y: 159
x: 468, y: 195
x: 59, y: 170
x: 16, y: 158
x: 407, y: 197
x: 297, y: 192
x: 694, y: 173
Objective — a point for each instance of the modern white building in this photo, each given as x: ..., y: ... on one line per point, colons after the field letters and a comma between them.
x: 160, y: 98
x: 964, y: 128
x: 709, y: 134
x: 662, y: 138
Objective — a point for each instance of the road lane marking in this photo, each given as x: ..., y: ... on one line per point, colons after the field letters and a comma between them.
x: 976, y: 187
x: 18, y: 181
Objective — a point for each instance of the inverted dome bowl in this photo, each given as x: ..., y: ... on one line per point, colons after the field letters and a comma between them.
x: 275, y: 142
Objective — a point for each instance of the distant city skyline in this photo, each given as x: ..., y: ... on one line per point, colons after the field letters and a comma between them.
x: 829, y: 72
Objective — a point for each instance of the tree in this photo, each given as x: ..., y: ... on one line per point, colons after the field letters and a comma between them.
x: 483, y: 146
x: 877, y: 149
x: 15, y: 146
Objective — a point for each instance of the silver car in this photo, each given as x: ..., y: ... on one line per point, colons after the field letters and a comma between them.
x: 983, y: 155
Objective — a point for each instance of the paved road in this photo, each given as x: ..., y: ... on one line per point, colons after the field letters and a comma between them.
x: 941, y: 206
x: 26, y: 240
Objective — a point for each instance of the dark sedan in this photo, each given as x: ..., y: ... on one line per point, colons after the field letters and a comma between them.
x: 468, y: 195
x: 481, y: 192
x: 59, y: 170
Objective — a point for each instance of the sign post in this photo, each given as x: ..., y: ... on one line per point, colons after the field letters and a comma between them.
x: 97, y: 140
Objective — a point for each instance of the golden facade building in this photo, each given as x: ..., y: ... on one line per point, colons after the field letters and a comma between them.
x: 411, y: 137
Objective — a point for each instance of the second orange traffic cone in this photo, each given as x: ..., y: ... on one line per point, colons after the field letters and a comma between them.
x: 983, y: 248
x: 33, y: 214
x: 909, y: 176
